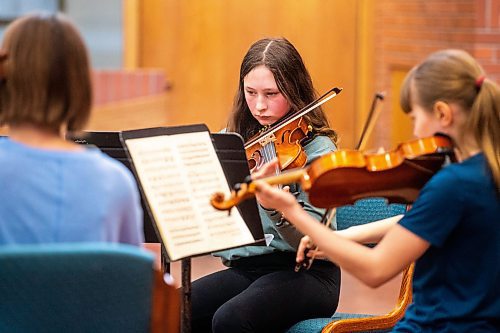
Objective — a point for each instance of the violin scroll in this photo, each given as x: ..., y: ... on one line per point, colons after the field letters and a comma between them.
x: 244, y: 191
x: 247, y: 190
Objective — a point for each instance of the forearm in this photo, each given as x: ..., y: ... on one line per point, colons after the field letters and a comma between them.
x: 369, y: 233
x: 287, y: 230
x: 374, y: 266
x: 365, y: 263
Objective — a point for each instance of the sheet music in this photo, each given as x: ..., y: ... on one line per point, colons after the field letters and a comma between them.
x: 179, y: 173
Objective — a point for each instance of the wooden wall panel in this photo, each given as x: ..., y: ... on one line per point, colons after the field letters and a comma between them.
x: 200, y: 45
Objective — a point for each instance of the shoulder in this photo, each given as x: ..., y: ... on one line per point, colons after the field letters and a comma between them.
x: 442, y: 189
x: 471, y: 173
x: 454, y: 192
x: 110, y: 169
x: 319, y: 146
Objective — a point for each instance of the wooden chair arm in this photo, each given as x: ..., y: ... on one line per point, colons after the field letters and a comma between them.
x: 381, y: 322
x: 165, y: 314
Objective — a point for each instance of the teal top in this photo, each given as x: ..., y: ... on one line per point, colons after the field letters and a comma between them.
x: 282, y: 235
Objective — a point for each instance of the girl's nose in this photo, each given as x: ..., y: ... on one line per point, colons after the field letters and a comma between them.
x: 260, y: 105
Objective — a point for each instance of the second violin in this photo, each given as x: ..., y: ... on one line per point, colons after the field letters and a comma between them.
x: 344, y: 176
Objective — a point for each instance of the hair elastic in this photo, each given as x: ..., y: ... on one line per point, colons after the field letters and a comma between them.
x: 479, y: 81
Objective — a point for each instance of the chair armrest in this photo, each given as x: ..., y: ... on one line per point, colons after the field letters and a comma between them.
x: 165, y: 314
x: 382, y: 322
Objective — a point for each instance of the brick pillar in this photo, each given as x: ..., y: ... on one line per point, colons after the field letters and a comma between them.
x: 408, y: 31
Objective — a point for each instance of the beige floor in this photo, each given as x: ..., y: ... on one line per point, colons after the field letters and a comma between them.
x: 355, y: 297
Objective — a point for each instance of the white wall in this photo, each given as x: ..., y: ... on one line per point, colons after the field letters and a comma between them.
x: 99, y: 21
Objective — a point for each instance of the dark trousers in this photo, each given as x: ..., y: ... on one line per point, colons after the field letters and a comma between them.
x: 264, y: 294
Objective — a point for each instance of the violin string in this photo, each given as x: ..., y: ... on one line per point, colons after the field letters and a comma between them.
x: 266, y: 153
x: 274, y: 154
x: 269, y: 152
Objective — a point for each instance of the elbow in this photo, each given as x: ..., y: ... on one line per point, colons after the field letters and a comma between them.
x: 377, y: 272
x: 374, y: 281
x: 376, y: 276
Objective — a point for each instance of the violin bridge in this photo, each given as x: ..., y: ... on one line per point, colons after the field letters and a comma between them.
x: 267, y: 139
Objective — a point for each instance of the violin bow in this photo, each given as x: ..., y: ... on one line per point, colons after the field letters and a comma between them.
x: 307, y: 262
x: 331, y: 212
x: 309, y: 107
x: 370, y: 121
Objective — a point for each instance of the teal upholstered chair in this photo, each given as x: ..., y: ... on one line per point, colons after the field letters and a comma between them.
x: 363, y: 211
x: 84, y: 287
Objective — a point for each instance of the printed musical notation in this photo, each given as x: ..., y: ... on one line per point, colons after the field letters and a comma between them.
x: 178, y: 174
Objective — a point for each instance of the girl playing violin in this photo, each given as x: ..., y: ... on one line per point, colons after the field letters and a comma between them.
x: 261, y: 292
x: 452, y: 230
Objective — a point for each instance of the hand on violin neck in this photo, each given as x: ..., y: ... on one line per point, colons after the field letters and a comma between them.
x: 268, y: 169
x: 272, y: 197
x: 308, y: 250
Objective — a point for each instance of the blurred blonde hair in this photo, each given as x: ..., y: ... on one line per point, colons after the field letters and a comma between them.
x: 455, y: 76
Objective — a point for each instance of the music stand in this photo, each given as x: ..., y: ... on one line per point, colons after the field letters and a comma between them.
x: 230, y: 151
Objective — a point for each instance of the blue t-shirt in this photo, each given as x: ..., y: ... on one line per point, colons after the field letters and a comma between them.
x: 456, y: 286
x: 49, y: 196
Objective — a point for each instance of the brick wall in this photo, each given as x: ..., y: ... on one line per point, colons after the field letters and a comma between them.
x: 118, y: 85
x: 407, y: 31
x: 487, y: 36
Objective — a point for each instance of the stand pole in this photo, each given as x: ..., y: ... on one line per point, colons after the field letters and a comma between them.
x: 186, y: 296
x: 165, y: 265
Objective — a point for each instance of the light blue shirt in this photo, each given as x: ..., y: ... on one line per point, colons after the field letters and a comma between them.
x: 49, y: 196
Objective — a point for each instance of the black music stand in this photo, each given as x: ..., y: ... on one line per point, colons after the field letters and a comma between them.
x: 230, y: 151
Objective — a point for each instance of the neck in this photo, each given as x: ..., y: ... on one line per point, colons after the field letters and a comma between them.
x: 34, y: 136
x: 466, y: 146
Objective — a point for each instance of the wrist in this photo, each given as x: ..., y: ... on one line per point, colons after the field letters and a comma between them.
x: 291, y: 209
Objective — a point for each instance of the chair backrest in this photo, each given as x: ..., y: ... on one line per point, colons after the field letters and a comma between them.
x: 365, y: 211
x: 81, y: 287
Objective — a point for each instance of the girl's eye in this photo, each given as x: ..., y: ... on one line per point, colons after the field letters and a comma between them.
x: 271, y: 94
x: 251, y: 93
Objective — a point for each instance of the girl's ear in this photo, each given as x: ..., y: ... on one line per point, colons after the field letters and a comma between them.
x: 443, y: 113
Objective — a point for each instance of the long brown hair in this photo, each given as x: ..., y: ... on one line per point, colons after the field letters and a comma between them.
x: 46, y: 74
x: 455, y: 76
x: 293, y: 81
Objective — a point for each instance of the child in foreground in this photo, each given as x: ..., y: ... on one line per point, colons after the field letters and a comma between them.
x: 452, y: 230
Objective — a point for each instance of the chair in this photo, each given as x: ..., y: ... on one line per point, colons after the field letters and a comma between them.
x: 363, y: 211
x: 84, y: 287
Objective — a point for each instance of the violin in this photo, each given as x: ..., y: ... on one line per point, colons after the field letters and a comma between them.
x: 344, y: 176
x: 283, y: 139
x: 285, y: 143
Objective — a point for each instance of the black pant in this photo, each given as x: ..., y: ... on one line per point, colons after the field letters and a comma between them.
x: 264, y: 294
